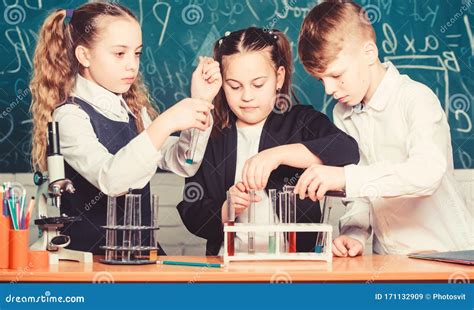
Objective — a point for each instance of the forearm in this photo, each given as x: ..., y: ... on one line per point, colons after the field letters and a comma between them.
x: 159, y: 131
x: 296, y: 155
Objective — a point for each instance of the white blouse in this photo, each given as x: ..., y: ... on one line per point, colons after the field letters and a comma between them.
x: 134, y: 165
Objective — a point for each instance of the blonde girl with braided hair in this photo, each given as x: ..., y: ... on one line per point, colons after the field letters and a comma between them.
x: 86, y: 78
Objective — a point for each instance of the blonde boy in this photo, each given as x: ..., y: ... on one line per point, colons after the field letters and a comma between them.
x: 403, y: 189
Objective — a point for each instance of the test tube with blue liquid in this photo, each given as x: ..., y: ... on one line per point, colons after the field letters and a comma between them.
x: 190, y: 152
x: 321, y: 238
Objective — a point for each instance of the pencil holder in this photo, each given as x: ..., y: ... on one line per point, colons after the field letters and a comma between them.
x: 38, y: 259
x: 4, y: 230
x: 18, y: 249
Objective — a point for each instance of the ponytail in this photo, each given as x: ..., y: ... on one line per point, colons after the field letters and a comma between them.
x: 55, y: 67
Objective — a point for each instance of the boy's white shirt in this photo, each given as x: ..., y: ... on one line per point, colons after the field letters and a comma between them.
x: 134, y: 165
x: 403, y: 188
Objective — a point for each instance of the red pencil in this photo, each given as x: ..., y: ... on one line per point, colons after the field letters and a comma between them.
x: 28, y: 213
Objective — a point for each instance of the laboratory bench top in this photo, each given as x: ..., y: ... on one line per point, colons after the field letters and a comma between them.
x: 371, y: 268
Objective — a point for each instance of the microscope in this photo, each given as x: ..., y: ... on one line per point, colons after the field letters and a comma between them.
x: 51, y: 185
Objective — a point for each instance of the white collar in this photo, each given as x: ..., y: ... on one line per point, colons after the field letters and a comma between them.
x: 103, y: 100
x: 380, y: 97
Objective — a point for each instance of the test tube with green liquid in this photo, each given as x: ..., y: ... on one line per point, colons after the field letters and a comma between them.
x: 272, y: 219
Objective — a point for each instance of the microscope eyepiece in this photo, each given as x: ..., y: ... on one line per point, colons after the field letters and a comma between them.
x: 53, y: 139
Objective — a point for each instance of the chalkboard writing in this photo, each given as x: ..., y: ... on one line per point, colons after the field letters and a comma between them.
x: 430, y: 40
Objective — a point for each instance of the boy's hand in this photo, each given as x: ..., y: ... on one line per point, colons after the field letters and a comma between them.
x: 345, y: 245
x: 240, y: 200
x: 318, y: 179
x: 206, y: 80
x: 257, y: 169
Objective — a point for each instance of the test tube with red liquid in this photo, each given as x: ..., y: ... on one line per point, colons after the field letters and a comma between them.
x: 230, y: 222
x: 292, y: 220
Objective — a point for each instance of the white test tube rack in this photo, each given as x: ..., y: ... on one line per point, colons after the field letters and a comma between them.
x: 324, y: 255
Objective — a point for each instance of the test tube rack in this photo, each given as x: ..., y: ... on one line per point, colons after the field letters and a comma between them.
x: 131, y: 250
x: 324, y: 255
x: 129, y: 255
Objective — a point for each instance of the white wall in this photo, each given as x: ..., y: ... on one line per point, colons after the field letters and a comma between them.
x: 174, y: 237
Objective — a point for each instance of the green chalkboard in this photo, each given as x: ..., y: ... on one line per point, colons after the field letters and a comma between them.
x: 431, y: 40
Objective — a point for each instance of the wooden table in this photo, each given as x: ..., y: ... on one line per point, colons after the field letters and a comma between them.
x: 376, y: 268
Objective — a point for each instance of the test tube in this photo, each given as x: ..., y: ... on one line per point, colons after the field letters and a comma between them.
x: 137, y: 222
x: 291, y: 215
x: 321, y: 238
x: 230, y: 222
x: 283, y: 211
x: 127, y: 222
x: 111, y: 234
x: 292, y: 220
x: 251, y: 220
x: 132, y: 217
x: 192, y: 146
x: 272, y: 219
x: 155, y: 203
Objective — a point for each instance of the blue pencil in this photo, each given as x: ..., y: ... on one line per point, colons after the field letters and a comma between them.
x: 191, y: 264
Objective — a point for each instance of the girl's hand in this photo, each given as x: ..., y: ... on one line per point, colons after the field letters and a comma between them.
x: 257, y: 169
x: 240, y: 200
x: 206, y: 80
x: 187, y: 113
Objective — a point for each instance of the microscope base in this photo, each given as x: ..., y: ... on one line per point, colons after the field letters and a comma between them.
x: 67, y: 254
x: 62, y: 253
